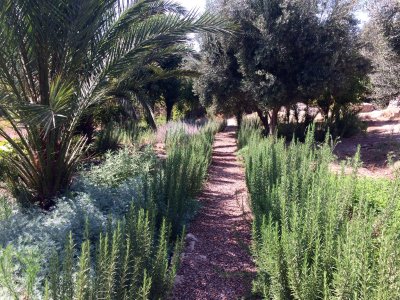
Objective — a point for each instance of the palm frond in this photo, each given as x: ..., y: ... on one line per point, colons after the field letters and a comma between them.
x: 60, y: 58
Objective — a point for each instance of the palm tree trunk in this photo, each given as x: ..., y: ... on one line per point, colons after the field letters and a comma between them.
x: 169, y: 107
x: 43, y: 73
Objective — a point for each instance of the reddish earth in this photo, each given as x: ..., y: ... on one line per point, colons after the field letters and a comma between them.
x: 217, y: 262
x: 381, y: 140
x: 8, y: 129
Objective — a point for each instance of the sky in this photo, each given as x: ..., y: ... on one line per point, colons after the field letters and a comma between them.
x: 190, y: 5
x: 200, y: 4
x: 193, y: 4
x: 362, y: 16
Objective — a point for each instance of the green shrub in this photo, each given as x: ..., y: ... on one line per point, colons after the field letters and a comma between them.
x: 6, y: 152
x: 316, y: 234
x: 346, y: 123
x: 249, y: 127
x: 8, y: 173
x: 134, y: 256
x: 186, y: 166
x: 5, y: 208
x: 120, y: 166
x: 180, y: 111
x: 132, y: 261
x: 114, y: 135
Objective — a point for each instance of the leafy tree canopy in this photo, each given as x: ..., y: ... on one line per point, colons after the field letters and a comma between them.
x: 382, y: 45
x: 286, y: 52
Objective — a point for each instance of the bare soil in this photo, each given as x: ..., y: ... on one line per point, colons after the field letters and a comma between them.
x: 217, y: 263
x: 382, y: 140
x: 8, y: 129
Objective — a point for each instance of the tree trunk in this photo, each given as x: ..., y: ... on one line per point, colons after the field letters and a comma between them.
x: 149, y: 112
x: 169, y: 106
x: 274, y: 121
x: 296, y: 113
x: 86, y: 127
x: 288, y: 107
x: 43, y: 69
x: 151, y: 121
x: 239, y: 118
x: 264, y: 120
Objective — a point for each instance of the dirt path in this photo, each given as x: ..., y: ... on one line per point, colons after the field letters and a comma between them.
x: 217, y: 262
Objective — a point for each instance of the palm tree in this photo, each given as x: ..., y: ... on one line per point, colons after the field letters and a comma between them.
x: 161, y: 78
x: 58, y: 58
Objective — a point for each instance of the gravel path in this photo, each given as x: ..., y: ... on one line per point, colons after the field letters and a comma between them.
x: 217, y: 263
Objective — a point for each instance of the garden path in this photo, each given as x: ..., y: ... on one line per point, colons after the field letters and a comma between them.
x: 216, y: 262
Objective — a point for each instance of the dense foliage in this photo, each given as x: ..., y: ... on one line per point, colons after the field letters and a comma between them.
x: 123, y: 220
x: 61, y: 59
x: 381, y: 37
x: 286, y: 52
x: 132, y: 262
x: 318, y: 234
x: 188, y: 159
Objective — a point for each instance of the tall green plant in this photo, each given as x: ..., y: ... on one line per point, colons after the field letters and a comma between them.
x: 29, y: 261
x: 186, y: 166
x: 133, y: 261
x: 61, y: 58
x: 248, y: 128
x: 316, y: 235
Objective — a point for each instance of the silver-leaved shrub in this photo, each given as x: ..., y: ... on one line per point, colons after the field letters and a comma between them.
x: 103, y: 192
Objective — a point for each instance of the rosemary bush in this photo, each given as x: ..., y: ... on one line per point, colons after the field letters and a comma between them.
x: 122, y: 219
x: 186, y: 165
x: 132, y: 261
x: 250, y: 126
x: 317, y: 234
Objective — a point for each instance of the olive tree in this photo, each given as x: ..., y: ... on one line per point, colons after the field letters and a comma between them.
x: 382, y: 45
x: 285, y: 52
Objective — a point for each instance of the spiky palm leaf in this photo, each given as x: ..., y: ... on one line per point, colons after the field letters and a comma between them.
x: 58, y: 58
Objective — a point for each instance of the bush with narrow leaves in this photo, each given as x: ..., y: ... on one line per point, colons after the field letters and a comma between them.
x: 318, y: 234
x: 186, y: 166
x: 117, y: 234
x: 132, y: 261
